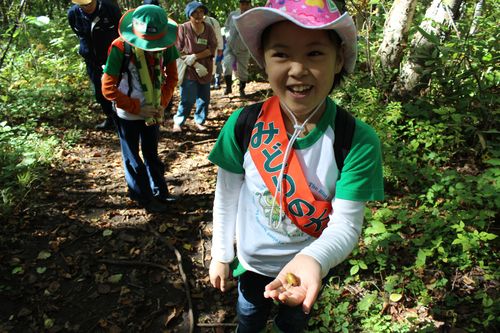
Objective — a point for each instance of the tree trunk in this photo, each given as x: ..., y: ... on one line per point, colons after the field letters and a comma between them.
x: 477, y: 13
x: 412, y: 76
x: 396, y: 32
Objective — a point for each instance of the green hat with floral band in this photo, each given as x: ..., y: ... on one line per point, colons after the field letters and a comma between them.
x: 308, y: 14
x: 148, y: 27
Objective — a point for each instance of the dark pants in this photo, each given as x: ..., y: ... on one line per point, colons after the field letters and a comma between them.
x: 95, y: 74
x: 253, y: 309
x: 146, y: 179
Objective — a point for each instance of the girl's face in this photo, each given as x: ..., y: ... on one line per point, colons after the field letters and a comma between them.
x: 301, y: 65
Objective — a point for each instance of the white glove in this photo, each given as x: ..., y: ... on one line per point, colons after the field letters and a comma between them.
x: 148, y: 111
x: 190, y: 59
x: 200, y: 69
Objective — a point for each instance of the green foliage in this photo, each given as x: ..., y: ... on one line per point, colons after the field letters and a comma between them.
x: 40, y: 90
x: 428, y: 256
x: 24, y: 159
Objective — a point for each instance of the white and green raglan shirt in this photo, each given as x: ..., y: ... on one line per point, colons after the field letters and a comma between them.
x: 242, y: 204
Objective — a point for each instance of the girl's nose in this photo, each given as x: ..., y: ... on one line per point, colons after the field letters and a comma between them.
x: 297, y: 69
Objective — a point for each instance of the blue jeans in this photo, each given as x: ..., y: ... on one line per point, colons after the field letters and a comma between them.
x: 253, y: 309
x: 190, y: 92
x: 146, y: 179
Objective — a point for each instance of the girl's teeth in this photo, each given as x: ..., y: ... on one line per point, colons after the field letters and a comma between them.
x: 299, y: 88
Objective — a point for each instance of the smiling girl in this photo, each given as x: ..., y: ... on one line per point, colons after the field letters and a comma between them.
x: 294, y: 211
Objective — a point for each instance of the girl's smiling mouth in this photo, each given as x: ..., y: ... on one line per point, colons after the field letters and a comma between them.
x: 299, y: 89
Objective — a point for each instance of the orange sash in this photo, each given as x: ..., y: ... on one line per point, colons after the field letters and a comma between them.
x: 267, y: 148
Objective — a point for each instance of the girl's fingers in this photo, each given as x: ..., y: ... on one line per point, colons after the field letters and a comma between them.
x: 311, y: 295
x: 273, y: 285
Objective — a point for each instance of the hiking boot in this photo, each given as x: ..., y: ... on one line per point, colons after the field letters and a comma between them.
x: 229, y: 83
x: 166, y: 198
x: 217, y: 83
x: 155, y: 206
x: 106, y: 125
x: 176, y: 128
x: 200, y: 127
x: 242, y: 89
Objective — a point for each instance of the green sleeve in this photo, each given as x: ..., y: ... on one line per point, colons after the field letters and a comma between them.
x: 171, y: 54
x: 362, y: 177
x: 114, y: 62
x: 226, y: 152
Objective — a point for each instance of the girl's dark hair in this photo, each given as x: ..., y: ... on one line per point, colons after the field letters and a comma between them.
x: 334, y: 38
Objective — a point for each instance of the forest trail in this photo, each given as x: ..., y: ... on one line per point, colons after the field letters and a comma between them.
x: 82, y: 257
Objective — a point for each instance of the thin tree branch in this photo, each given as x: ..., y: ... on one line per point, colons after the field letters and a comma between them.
x: 11, y: 37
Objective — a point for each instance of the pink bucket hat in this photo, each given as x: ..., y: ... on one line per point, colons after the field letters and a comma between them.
x: 308, y: 14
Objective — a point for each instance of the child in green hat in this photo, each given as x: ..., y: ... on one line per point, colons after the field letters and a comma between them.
x: 140, y: 93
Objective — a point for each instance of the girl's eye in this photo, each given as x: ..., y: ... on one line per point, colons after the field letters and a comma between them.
x: 315, y: 53
x: 278, y: 55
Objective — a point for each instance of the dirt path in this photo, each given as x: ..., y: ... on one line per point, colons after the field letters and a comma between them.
x: 81, y: 257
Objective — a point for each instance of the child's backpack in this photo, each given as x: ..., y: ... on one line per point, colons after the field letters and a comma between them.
x: 124, y: 68
x: 344, y: 130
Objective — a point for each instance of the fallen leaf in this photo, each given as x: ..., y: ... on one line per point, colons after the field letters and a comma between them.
x: 115, y: 278
x: 395, y: 297
x: 44, y: 255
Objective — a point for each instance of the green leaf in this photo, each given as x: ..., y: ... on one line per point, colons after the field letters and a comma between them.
x: 395, y: 297
x: 115, y: 278
x: 48, y: 323
x: 485, y: 236
x: 493, y: 161
x: 354, y: 269
x: 107, y: 233
x: 366, y: 302
x: 421, y: 257
x: 376, y: 227
x: 430, y: 37
x: 44, y: 255
x: 487, y: 301
x: 17, y: 270
x: 41, y: 270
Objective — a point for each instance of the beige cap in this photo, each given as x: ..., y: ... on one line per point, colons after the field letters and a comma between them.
x: 81, y: 2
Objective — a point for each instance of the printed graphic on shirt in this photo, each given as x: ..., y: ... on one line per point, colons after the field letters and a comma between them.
x: 276, y: 222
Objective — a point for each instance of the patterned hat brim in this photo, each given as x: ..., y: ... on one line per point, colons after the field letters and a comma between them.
x: 253, y: 22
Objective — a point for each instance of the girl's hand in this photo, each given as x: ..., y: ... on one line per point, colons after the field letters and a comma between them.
x: 299, y: 282
x: 219, y: 274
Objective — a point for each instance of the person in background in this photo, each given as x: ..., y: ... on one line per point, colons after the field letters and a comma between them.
x: 95, y: 22
x: 235, y: 52
x: 294, y: 212
x: 220, y: 48
x: 140, y: 96
x: 197, y: 43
